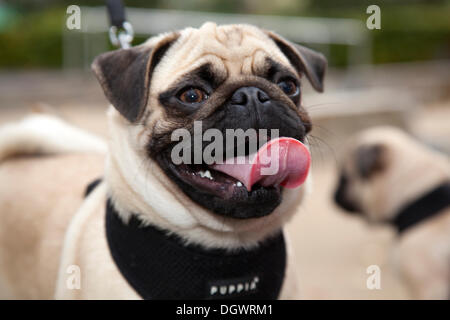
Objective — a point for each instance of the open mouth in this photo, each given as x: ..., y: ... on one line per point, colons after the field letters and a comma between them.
x: 207, y: 180
x: 222, y: 193
x: 250, y: 187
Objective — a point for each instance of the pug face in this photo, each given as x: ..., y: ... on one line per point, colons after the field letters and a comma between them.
x: 359, y: 175
x: 382, y: 169
x: 227, y: 77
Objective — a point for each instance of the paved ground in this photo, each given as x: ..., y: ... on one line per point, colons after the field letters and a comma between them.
x: 333, y: 250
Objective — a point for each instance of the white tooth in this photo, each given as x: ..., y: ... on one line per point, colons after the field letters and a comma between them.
x: 208, y: 175
x: 201, y: 173
x: 239, y: 184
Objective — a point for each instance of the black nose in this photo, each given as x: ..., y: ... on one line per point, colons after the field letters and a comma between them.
x: 341, y: 198
x: 249, y: 95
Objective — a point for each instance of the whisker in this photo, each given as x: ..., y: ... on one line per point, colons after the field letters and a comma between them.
x: 316, y: 146
x: 321, y: 106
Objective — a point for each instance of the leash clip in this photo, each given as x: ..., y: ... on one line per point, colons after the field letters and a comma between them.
x: 122, y: 37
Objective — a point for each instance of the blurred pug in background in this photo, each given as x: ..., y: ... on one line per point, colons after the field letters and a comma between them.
x: 151, y: 228
x: 386, y: 176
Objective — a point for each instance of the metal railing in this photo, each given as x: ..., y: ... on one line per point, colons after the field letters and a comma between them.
x: 80, y: 47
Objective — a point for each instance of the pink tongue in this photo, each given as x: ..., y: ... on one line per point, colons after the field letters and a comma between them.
x: 282, y: 161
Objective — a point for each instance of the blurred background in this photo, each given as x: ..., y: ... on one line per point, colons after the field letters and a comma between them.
x: 397, y: 75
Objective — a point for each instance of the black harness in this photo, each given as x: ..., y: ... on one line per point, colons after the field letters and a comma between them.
x: 160, y: 266
x: 423, y: 208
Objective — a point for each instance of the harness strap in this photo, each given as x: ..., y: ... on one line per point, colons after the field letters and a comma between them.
x: 423, y: 208
x: 160, y: 265
x: 91, y: 186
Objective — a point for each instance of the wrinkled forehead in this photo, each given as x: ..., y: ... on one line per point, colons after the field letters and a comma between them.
x: 231, y: 50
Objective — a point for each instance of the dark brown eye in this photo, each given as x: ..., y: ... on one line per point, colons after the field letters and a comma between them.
x: 193, y: 95
x: 288, y: 86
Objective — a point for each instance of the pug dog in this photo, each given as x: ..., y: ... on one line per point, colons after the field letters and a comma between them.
x: 387, y: 176
x: 148, y: 228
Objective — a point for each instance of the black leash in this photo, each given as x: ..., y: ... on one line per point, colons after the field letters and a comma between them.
x: 121, y: 31
x: 423, y: 208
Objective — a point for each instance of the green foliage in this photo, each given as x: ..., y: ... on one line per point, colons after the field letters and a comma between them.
x: 416, y: 30
x: 411, y: 33
x: 34, y: 40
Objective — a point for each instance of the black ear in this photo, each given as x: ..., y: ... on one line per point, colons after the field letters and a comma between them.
x: 305, y: 60
x: 370, y: 160
x: 125, y: 75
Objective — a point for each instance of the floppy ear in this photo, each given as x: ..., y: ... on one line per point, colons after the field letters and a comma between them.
x: 125, y: 75
x: 370, y: 160
x: 305, y: 60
